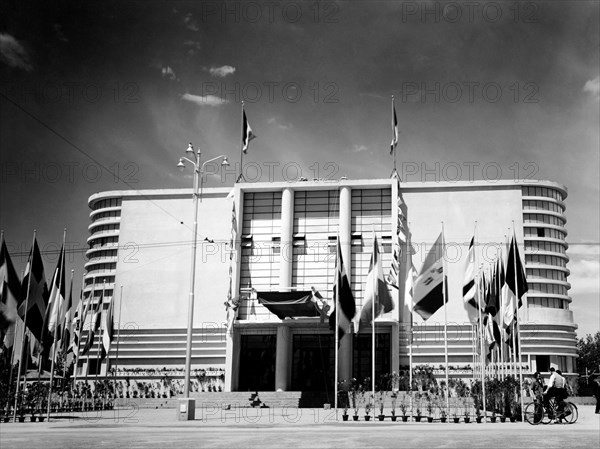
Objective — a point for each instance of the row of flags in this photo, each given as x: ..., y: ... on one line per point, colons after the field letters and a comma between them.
x: 495, y: 297
x: 41, y: 321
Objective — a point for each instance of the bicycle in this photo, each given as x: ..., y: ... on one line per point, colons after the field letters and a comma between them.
x: 536, y: 413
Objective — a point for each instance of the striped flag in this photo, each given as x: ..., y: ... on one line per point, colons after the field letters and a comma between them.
x: 345, y: 305
x: 469, y: 287
x: 376, y: 291
x: 247, y: 134
x: 394, y: 129
x: 65, y: 338
x: 428, y: 295
x: 94, y: 324
x: 57, y: 296
x: 107, y: 330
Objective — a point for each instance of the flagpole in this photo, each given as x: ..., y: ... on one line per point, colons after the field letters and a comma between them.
x: 337, y: 324
x: 394, y: 134
x: 518, y: 348
x: 58, y: 314
x: 445, y: 316
x: 118, y: 330
x: 101, y: 307
x: 241, y: 176
x: 480, y: 326
x: 374, y: 299
x: 84, y: 311
x: 18, y: 387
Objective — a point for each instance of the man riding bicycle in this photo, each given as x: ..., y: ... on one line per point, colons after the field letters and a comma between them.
x: 556, y: 389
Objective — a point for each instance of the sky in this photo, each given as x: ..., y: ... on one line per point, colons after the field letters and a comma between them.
x: 106, y: 95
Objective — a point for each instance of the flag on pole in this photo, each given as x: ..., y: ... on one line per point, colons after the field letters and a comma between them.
x: 515, y: 273
x: 107, y: 330
x: 247, y: 134
x: 493, y: 297
x: 34, y: 292
x: 94, y: 324
x: 342, y: 297
x: 469, y: 288
x: 78, y: 320
x: 10, y: 292
x: 57, y: 296
x: 67, y: 326
x: 428, y: 294
x: 394, y: 129
x: 376, y: 291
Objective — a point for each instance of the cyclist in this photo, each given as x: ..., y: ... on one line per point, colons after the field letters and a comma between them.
x: 556, y: 389
x: 537, y: 386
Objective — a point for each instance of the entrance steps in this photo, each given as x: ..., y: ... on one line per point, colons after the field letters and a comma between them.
x: 235, y: 399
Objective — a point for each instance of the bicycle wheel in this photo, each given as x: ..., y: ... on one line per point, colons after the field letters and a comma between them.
x: 571, y: 414
x: 534, y: 413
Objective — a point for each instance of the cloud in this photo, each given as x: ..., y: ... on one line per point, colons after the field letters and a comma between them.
x: 13, y: 53
x: 273, y: 121
x: 359, y: 148
x: 584, y: 276
x: 221, y: 72
x: 207, y: 100
x: 593, y: 87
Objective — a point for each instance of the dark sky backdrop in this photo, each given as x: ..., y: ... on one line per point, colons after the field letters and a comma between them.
x: 90, y: 90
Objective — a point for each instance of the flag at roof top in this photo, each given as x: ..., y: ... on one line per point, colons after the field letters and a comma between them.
x: 394, y: 129
x: 247, y: 134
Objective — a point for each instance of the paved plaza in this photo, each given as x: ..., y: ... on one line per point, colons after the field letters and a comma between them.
x: 281, y: 428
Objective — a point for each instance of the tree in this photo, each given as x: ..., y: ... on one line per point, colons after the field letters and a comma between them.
x: 588, y: 352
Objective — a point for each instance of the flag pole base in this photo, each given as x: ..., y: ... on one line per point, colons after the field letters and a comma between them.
x: 186, y: 409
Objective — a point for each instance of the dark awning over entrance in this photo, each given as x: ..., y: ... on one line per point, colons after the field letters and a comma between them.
x: 290, y: 304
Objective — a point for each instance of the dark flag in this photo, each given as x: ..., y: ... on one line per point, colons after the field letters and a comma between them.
x: 247, y: 134
x: 515, y: 273
x: 10, y: 292
x: 342, y: 297
x: 34, y: 292
x: 469, y: 288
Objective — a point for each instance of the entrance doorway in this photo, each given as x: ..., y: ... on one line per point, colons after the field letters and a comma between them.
x: 257, y: 363
x: 313, y: 362
x: 362, y: 356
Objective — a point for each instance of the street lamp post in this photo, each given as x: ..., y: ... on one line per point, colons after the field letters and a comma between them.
x: 187, y: 405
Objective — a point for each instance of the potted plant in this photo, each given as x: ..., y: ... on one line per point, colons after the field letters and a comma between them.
x: 429, y: 410
x: 356, y: 395
x: 368, y: 407
x: 380, y: 403
x: 394, y: 399
x: 493, y: 417
x: 478, y: 416
x: 418, y: 415
x: 403, y: 409
x: 443, y: 416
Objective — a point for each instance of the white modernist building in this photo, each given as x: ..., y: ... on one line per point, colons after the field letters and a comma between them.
x: 271, y: 243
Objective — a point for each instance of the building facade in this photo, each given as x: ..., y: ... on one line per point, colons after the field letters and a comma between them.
x: 266, y: 242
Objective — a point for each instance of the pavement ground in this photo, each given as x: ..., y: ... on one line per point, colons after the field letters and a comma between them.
x: 286, y: 428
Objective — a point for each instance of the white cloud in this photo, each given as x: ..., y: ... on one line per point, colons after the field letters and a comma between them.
x: 13, y: 53
x: 283, y: 127
x: 585, y: 276
x: 223, y: 71
x: 207, y: 100
x: 359, y: 148
x: 593, y: 87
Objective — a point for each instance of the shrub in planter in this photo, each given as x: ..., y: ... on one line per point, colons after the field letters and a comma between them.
x: 467, y: 419
x: 394, y: 417
x: 41, y: 418
x: 381, y: 417
x: 367, y: 417
x: 345, y: 417
x: 355, y: 417
x: 493, y: 419
x: 503, y: 418
x: 456, y: 419
x: 404, y: 418
x: 430, y: 419
x: 478, y: 419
